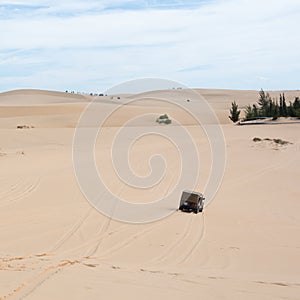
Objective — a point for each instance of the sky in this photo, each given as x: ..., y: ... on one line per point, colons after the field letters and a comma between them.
x: 91, y: 46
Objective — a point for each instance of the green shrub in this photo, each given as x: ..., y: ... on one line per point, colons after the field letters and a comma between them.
x: 163, y: 119
x: 234, y: 112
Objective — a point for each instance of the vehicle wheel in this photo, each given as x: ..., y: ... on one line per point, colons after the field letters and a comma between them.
x: 197, y: 210
x: 201, y: 209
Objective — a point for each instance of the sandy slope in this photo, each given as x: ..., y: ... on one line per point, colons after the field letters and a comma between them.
x: 54, y: 245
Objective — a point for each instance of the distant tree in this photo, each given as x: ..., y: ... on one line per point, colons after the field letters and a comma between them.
x: 268, y: 107
x: 296, y: 103
x: 284, y: 107
x: 296, y: 106
x: 249, y: 112
x: 275, y: 110
x: 255, y: 111
x: 280, y: 106
x: 263, y: 102
x: 262, y: 98
x: 291, y: 111
x: 234, y: 112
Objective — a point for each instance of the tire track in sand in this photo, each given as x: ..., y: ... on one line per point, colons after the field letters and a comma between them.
x: 199, y: 236
x: 71, y: 233
x: 29, y: 286
x: 128, y: 241
x: 171, y: 248
x: 131, y: 238
x: 182, y: 248
x: 19, y: 190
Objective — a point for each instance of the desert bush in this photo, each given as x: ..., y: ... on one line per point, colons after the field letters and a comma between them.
x: 256, y: 139
x: 168, y: 121
x: 163, y: 119
x: 280, y: 142
x: 24, y: 127
x: 276, y: 141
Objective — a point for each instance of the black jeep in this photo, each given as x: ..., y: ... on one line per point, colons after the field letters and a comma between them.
x: 191, y: 202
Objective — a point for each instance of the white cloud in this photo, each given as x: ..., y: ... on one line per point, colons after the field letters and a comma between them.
x: 80, y: 45
x: 9, y: 60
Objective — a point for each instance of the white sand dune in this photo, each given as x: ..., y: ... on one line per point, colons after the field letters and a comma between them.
x: 55, y: 245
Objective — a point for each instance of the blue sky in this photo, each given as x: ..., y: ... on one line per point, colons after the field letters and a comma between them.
x: 93, y: 45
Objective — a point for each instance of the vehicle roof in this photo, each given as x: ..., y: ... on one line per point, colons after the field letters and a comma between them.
x: 193, y: 192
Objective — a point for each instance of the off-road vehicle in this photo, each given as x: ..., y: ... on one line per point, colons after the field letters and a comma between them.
x: 191, y: 201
